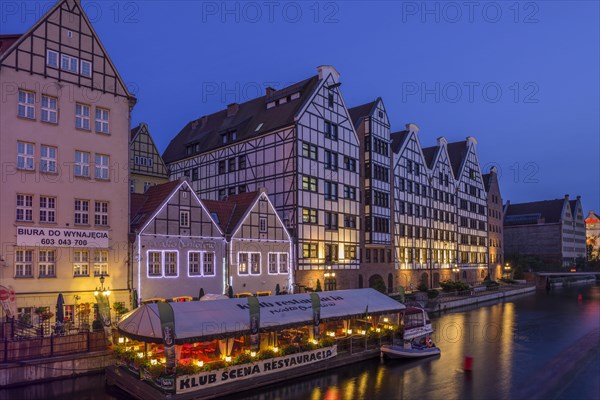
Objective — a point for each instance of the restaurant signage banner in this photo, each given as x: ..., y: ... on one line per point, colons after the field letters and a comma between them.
x: 104, y: 311
x: 60, y: 237
x: 167, y: 322
x: 235, y: 373
x: 254, y: 322
x: 316, y: 307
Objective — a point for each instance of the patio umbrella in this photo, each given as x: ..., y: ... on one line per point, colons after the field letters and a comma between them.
x: 201, y: 294
x: 60, y: 312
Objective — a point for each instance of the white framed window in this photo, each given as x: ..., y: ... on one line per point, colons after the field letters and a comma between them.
x: 255, y: 263
x: 278, y: 263
x: 25, y: 207
x: 24, y: 264
x: 69, y: 63
x: 26, y: 107
x: 82, y: 163
x: 86, y: 68
x: 47, y: 209
x: 242, y: 263
x: 272, y: 263
x: 49, y: 109
x: 102, y: 116
x: 101, y: 169
x: 208, y: 264
x: 47, y: 263
x: 262, y: 222
x: 52, y: 58
x: 283, y: 263
x: 100, y: 262
x: 249, y: 263
x: 171, y: 263
x: 101, y: 213
x: 81, y: 266
x: 184, y: 218
x: 194, y: 263
x: 82, y: 116
x: 154, y: 263
x: 25, y: 158
x: 48, y: 159
x: 82, y: 208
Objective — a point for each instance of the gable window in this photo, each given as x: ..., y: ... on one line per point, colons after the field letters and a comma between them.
x: 69, y: 63
x: 331, y: 191
x: 81, y: 212
x: 100, y: 262
x: 52, y: 58
x: 331, y: 160
x: 310, y: 250
x: 86, y: 68
x: 331, y: 130
x: 102, y: 117
x: 262, y: 222
x: 48, y: 159
x: 25, y: 158
x: 24, y: 264
x: 330, y: 99
x: 26, y: 107
x: 101, y: 213
x: 154, y: 263
x: 47, y: 263
x: 170, y: 263
x: 80, y: 263
x: 309, y: 183
x: 47, y: 209
x: 82, y: 116
x: 101, y: 170
x: 184, y: 218
x: 49, y: 109
x: 309, y: 216
x: 309, y: 150
x: 82, y: 163
x: 25, y: 207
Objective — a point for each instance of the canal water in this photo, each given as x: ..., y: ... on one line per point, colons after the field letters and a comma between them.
x: 510, y: 342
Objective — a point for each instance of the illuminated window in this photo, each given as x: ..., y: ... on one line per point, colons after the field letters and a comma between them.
x: 100, y: 262
x: 80, y: 263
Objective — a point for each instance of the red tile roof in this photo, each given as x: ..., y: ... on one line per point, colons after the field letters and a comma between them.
x: 231, y: 210
x: 143, y: 206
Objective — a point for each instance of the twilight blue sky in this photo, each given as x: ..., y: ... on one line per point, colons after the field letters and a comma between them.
x: 522, y: 77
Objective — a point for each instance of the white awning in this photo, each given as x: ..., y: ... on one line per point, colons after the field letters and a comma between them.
x: 207, y: 320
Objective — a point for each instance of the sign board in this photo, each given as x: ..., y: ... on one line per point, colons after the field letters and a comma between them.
x: 61, y: 237
x: 235, y: 373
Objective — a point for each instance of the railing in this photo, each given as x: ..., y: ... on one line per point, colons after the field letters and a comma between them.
x: 359, y: 343
x: 18, y: 349
x: 12, y: 328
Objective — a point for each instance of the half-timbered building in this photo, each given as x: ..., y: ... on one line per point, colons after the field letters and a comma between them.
x: 294, y: 142
x: 258, y: 244
x: 146, y: 166
x: 177, y: 247
x: 495, y: 224
x: 64, y: 129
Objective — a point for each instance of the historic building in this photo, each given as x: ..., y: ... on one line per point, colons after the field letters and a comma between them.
x: 258, y: 254
x: 553, y: 230
x: 592, y: 233
x: 177, y: 247
x: 64, y: 128
x: 495, y: 224
x: 300, y: 144
x: 146, y: 166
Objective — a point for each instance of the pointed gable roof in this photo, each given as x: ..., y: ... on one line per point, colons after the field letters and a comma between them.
x: 143, y: 206
x: 429, y: 154
x: 486, y: 181
x: 6, y: 41
x: 232, y: 210
x: 251, y: 118
x: 549, y: 211
x: 457, y: 151
x: 358, y: 113
x: 398, y: 139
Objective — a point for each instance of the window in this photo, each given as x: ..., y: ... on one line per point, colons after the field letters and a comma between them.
x: 25, y: 155
x: 52, y: 58
x: 242, y: 189
x: 101, y: 213
x: 209, y: 263
x: 243, y: 263
x: 309, y: 250
x: 309, y: 216
x: 331, y: 220
x: 194, y: 263
x: 24, y: 264
x: 272, y: 263
x: 331, y: 191
x: 283, y: 263
x: 48, y: 159
x: 102, y: 120
x: 194, y: 173
x: 255, y: 263
x: 82, y: 163
x: 154, y: 263
x: 262, y: 224
x: 278, y: 263
x: 81, y: 212
x: 330, y: 100
x: 248, y: 262
x: 349, y: 221
x: 331, y: 130
x: 80, y: 263
x: 26, y: 107
x: 221, y: 167
x: 25, y: 207
x: 331, y: 252
x: 309, y: 183
x: 147, y: 185
x: 69, y: 310
x: 86, y: 68
x: 331, y: 160
x: 350, y: 164
x: 49, y: 109
x: 242, y: 162
x: 101, y: 170
x: 184, y: 218
x: 82, y: 116
x: 100, y: 262
x: 69, y: 63
x: 231, y: 164
x: 349, y: 192
x: 309, y: 150
x: 350, y: 252
x: 47, y: 209
x: 231, y: 190
x: 170, y: 263
x: 222, y: 194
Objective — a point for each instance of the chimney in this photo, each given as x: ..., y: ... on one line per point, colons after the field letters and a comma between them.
x: 270, y: 91
x: 471, y: 139
x: 494, y: 170
x: 412, y: 128
x: 326, y: 70
x: 442, y: 141
x: 232, y: 109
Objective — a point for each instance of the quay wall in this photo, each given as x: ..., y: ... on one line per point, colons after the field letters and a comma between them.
x: 447, y: 305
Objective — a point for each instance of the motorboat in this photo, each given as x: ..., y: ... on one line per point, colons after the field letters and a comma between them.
x: 416, y: 342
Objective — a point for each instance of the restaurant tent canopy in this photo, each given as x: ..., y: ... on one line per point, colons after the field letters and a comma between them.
x: 197, y: 321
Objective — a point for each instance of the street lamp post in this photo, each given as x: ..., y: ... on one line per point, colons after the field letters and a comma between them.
x: 101, y: 289
x: 507, y: 270
x: 456, y: 270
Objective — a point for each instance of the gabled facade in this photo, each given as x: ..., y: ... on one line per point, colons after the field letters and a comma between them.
x: 258, y: 244
x: 64, y: 129
x: 146, y: 166
x: 177, y: 249
x: 592, y: 233
x: 293, y: 142
x: 495, y: 224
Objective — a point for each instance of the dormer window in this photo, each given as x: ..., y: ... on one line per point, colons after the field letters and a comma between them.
x: 229, y: 137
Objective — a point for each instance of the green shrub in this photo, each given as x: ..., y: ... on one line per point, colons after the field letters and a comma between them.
x: 307, y: 346
x: 243, y: 358
x: 289, y: 349
x: 327, y: 342
x: 211, y: 366
x: 265, y: 354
